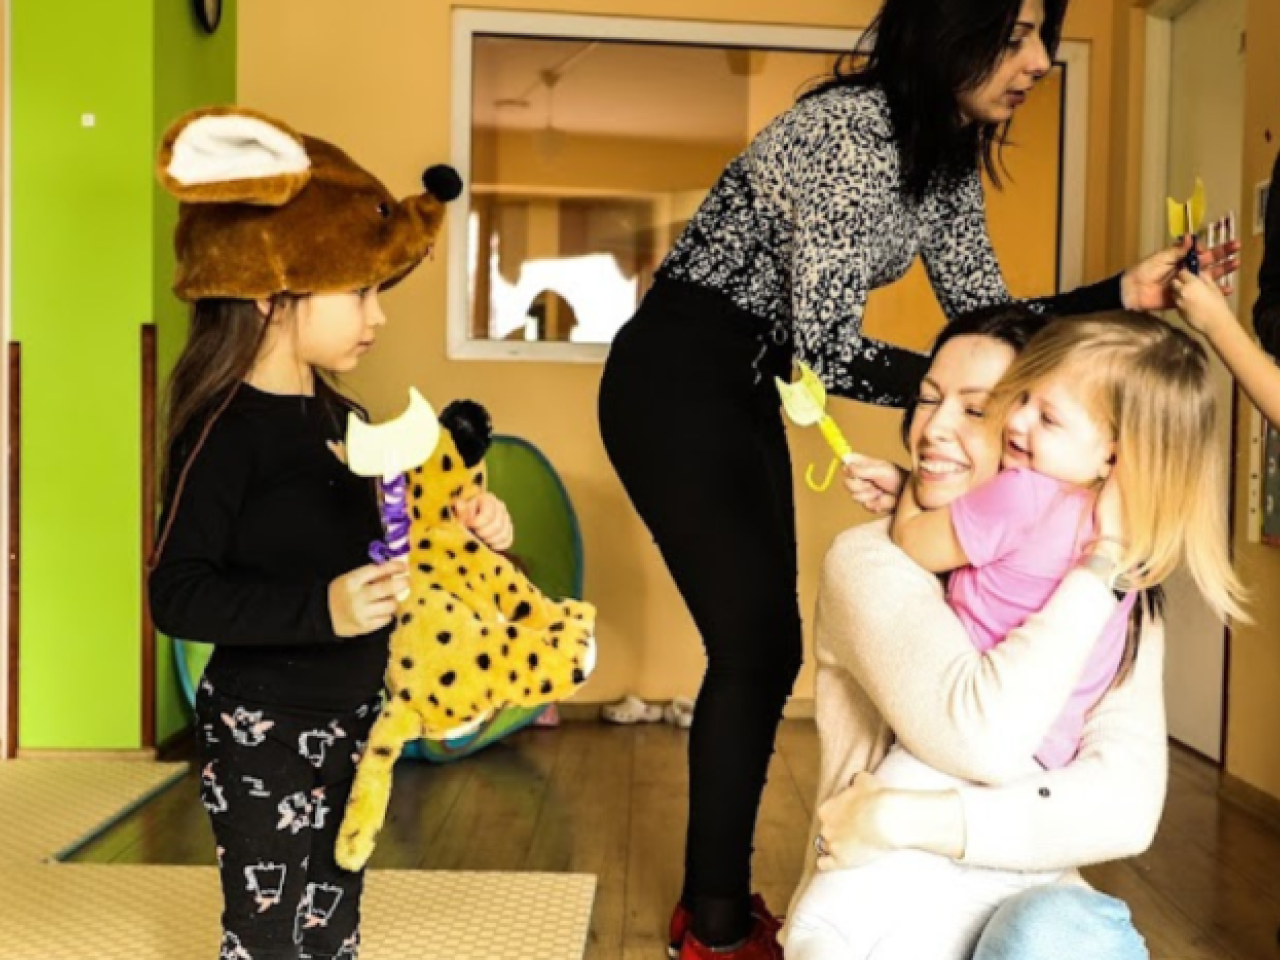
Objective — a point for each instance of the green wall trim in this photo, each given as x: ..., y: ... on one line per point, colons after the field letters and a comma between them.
x: 193, y: 70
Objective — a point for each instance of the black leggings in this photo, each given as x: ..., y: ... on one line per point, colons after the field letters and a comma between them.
x: 690, y: 418
x: 276, y: 784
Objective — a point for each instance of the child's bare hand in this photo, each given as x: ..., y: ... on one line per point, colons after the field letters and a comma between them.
x: 873, y: 484
x: 1200, y: 302
x: 1149, y: 284
x: 488, y: 518
x: 364, y: 600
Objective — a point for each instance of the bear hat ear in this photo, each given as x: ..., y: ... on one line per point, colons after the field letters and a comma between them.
x: 231, y: 155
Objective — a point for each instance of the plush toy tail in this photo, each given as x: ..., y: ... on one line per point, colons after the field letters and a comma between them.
x: 367, y: 807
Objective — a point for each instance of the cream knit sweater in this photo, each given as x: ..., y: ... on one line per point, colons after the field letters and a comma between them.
x: 893, y: 660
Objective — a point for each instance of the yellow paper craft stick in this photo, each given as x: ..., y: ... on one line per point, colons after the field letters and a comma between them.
x: 1187, y: 216
x: 805, y: 402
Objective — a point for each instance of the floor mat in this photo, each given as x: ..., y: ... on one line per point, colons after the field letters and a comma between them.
x: 52, y: 806
x: 78, y: 911
x: 57, y: 911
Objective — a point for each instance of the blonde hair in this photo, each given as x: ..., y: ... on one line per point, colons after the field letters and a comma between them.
x: 1148, y: 384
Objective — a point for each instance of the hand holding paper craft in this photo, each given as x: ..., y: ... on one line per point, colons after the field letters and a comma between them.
x: 805, y: 402
x: 1186, y: 218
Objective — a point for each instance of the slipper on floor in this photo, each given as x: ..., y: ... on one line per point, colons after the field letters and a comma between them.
x: 631, y: 709
x: 679, y: 713
x: 549, y: 717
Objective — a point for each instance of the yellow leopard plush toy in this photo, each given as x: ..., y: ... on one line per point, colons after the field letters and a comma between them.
x: 472, y: 636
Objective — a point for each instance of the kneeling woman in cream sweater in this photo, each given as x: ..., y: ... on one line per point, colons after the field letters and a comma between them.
x: 895, y: 666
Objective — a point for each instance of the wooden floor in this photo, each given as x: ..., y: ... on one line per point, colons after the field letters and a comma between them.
x: 610, y: 801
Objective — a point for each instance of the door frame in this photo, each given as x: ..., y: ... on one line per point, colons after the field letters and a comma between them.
x: 8, y: 647
x: 1156, y: 126
x: 1073, y: 176
x: 8, y: 623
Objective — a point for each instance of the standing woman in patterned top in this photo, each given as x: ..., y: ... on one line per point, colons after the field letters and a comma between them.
x: 835, y: 198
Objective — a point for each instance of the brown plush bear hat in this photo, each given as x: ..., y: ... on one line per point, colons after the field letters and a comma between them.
x: 265, y: 210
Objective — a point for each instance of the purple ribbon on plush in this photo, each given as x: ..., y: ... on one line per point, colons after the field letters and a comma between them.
x: 395, y: 521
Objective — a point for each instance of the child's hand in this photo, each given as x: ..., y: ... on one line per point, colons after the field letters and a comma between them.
x: 487, y: 517
x: 364, y: 600
x: 1149, y: 284
x: 874, y: 484
x: 1201, y: 303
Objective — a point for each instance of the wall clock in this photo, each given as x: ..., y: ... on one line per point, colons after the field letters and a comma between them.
x: 209, y: 13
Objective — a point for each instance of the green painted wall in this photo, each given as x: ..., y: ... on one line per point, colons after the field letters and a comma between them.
x: 81, y: 286
x: 86, y: 276
x: 193, y: 69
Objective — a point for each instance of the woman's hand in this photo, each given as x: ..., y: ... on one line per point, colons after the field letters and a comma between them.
x: 488, y: 518
x: 1148, y: 285
x: 364, y: 600
x: 869, y: 820
x: 874, y: 484
x: 852, y: 826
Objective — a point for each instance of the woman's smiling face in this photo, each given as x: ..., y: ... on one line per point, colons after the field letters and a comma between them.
x: 953, y: 448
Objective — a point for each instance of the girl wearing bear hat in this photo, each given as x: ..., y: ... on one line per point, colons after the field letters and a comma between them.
x: 283, y: 244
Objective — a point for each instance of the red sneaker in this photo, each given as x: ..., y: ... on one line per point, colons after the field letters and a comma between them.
x: 681, y: 921
x: 766, y: 929
x: 772, y: 924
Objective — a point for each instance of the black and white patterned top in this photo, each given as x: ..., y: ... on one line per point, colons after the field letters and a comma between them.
x: 810, y: 218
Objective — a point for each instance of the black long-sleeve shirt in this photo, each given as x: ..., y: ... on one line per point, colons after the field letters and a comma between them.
x: 267, y: 519
x: 1266, y: 311
x: 811, y: 218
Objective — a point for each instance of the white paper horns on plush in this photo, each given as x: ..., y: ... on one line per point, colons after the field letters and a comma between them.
x: 389, y: 449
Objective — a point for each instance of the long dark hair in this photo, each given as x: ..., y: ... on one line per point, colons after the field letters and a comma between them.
x: 922, y: 54
x: 223, y: 341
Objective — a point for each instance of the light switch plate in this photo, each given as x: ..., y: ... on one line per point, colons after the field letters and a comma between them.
x: 1260, y: 193
x: 1257, y: 441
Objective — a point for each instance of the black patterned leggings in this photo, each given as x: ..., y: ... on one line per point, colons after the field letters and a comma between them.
x: 276, y: 784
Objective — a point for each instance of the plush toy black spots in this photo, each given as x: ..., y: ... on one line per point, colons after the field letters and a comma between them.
x: 472, y: 637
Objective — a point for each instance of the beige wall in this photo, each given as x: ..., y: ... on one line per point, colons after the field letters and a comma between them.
x: 1253, y: 718
x: 375, y: 78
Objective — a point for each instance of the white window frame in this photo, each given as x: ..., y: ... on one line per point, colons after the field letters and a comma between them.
x: 1074, y: 55
x: 468, y: 24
